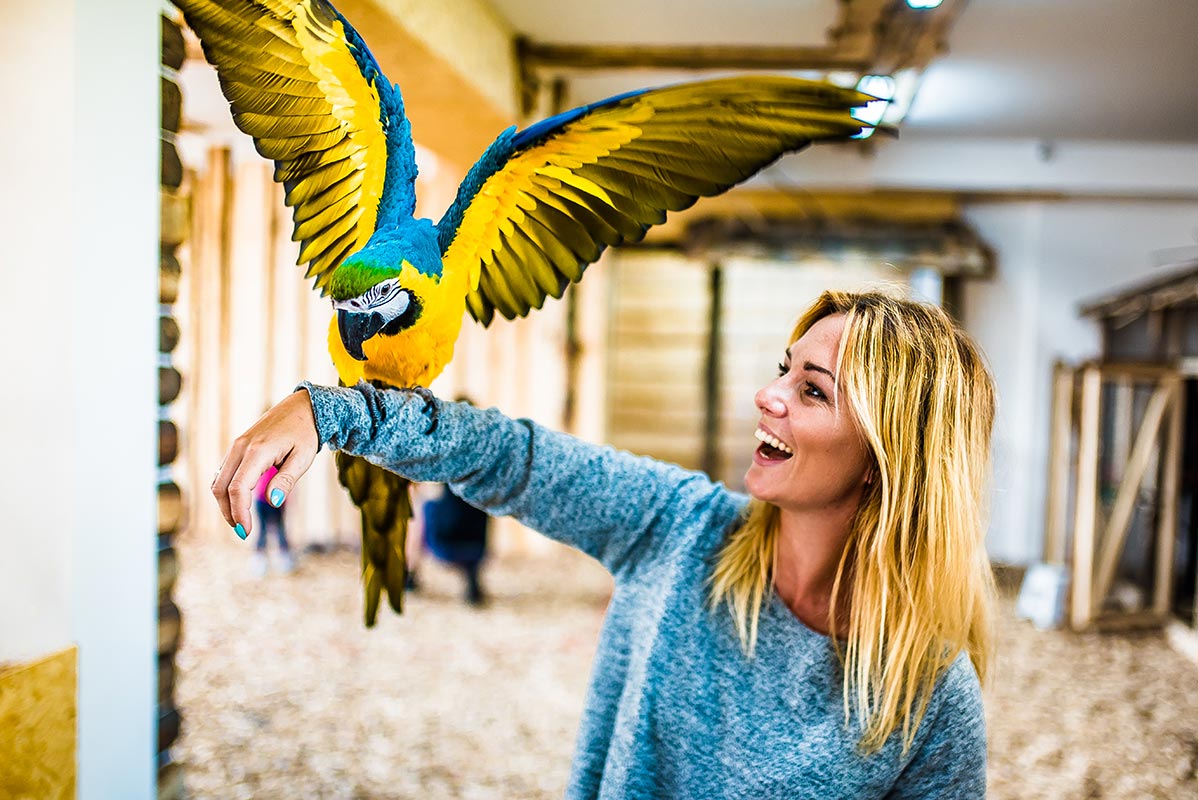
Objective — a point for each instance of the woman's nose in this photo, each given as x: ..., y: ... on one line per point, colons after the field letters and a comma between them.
x: 769, y: 401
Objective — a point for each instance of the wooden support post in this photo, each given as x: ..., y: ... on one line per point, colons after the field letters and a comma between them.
x: 196, y: 283
x: 220, y: 165
x: 1087, y: 499
x: 573, y: 356
x: 1121, y: 513
x: 711, y: 372
x: 1166, y: 530
x: 270, y: 290
x: 1058, y: 465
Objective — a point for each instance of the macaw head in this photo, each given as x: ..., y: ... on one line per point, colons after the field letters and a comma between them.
x: 384, y: 308
x: 377, y: 291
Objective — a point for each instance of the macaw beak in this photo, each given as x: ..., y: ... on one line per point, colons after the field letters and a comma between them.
x: 356, y: 328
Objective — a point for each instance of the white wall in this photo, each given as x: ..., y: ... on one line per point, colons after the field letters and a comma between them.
x: 1052, y: 256
x: 79, y: 213
x: 34, y: 527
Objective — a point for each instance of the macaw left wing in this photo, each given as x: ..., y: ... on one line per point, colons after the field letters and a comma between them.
x: 302, y: 83
x: 542, y: 204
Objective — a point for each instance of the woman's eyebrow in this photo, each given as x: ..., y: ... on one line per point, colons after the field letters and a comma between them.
x: 816, y: 368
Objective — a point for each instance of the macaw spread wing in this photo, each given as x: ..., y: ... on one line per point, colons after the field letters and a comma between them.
x: 603, y: 174
x: 302, y: 83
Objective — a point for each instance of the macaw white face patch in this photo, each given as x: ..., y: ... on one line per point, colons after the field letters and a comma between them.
x: 386, y: 299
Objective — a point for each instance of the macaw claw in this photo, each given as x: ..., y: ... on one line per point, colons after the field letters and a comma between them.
x: 430, y: 406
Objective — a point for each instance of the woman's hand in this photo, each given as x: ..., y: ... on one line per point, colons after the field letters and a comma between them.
x: 285, y: 437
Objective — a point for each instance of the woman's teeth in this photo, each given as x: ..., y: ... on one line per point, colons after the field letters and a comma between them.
x: 773, y: 442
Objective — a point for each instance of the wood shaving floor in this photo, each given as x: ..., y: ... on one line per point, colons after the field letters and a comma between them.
x: 286, y: 695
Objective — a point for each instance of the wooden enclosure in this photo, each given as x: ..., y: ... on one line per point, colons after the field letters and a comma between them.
x: 1123, y: 461
x: 1113, y: 501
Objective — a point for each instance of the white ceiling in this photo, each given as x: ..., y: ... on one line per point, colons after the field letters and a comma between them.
x: 1117, y: 70
x: 756, y: 22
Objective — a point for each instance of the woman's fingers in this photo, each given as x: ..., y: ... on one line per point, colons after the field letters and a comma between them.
x: 290, y: 471
x: 220, y: 484
x: 254, y: 452
x: 284, y: 436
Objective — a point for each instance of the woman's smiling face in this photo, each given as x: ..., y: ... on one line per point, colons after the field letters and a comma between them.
x: 811, y: 456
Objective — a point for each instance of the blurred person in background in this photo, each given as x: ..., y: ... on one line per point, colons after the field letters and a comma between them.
x: 452, y: 531
x: 455, y: 533
x: 825, y: 636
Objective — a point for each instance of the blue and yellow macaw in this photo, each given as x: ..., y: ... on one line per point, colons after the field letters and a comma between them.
x: 537, y: 208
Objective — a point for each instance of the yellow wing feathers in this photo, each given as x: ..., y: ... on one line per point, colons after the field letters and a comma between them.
x: 294, y: 86
x: 604, y: 177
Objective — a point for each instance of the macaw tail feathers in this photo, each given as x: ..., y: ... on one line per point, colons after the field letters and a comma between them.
x: 382, y: 498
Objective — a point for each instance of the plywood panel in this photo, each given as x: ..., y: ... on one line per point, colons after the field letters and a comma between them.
x: 37, y: 718
x: 660, y: 310
x: 687, y: 419
x: 665, y: 373
x: 661, y: 320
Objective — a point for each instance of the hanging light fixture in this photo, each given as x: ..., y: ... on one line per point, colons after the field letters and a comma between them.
x: 881, y: 87
x: 924, y: 5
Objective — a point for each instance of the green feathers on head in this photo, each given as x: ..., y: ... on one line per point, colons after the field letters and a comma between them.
x: 357, y: 274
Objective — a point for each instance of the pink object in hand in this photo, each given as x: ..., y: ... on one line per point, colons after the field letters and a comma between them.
x: 263, y: 482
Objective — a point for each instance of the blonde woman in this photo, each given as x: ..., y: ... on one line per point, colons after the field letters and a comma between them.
x: 823, y: 639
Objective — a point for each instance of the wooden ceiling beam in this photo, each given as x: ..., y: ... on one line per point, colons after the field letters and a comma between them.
x: 870, y: 36
x: 761, y: 206
x: 562, y: 57
x: 952, y: 248
x: 905, y: 228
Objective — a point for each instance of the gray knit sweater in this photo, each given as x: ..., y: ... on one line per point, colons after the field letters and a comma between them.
x: 675, y: 708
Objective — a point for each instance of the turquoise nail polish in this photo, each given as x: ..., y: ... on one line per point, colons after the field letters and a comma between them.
x: 240, y: 531
x: 276, y: 497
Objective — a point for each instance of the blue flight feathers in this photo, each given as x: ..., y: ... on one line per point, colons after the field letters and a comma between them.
x: 398, y: 199
x: 540, y: 130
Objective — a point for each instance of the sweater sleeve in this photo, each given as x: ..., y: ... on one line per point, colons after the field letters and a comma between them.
x: 950, y: 764
x: 613, y: 505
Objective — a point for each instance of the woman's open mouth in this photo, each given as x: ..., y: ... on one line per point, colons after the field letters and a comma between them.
x: 772, y: 448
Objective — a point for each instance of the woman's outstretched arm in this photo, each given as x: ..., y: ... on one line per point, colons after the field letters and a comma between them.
x: 604, y: 501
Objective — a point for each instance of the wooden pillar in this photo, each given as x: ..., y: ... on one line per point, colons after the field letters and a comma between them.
x: 1087, y: 499
x: 221, y: 166
x: 270, y: 289
x: 573, y: 356
x: 1166, y: 532
x: 1059, y: 468
x: 711, y: 372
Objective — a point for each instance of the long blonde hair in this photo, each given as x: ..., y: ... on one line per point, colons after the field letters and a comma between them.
x: 920, y: 585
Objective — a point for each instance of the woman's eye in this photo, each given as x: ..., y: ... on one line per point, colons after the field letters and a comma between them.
x: 782, y: 369
x: 813, y: 391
